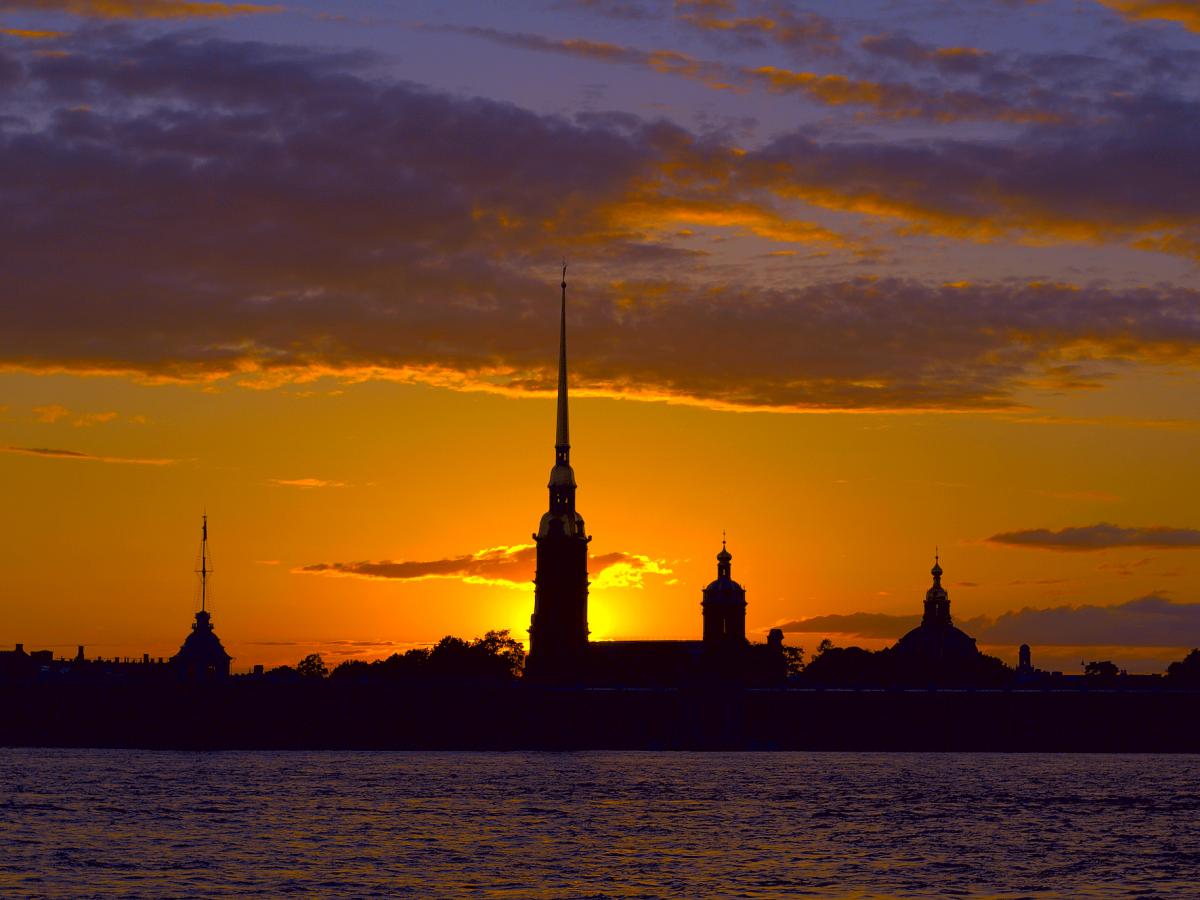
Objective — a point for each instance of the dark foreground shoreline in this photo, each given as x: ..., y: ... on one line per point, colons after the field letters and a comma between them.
x: 362, y: 717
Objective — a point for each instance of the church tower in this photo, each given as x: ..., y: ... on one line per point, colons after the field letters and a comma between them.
x: 558, y: 631
x: 724, y: 607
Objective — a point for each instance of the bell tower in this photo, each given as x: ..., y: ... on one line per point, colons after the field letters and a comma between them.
x: 724, y: 607
x: 558, y: 630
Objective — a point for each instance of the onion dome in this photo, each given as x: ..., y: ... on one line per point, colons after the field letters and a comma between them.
x: 724, y: 589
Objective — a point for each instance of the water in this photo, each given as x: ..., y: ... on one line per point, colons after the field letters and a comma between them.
x: 81, y: 823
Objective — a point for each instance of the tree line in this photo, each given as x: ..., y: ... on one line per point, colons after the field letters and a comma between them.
x: 495, y: 657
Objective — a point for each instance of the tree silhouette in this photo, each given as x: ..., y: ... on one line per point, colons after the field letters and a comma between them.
x: 1102, y: 670
x: 495, y: 657
x: 312, y: 666
x: 794, y: 659
x: 1186, y: 671
x: 508, y: 652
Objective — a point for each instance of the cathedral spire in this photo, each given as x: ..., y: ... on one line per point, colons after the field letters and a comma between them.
x: 562, y: 436
x: 562, y: 476
x: 558, y: 631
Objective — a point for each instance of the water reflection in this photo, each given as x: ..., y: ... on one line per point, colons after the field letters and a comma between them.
x: 132, y: 823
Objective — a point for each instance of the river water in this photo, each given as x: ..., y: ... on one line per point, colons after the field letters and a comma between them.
x: 84, y: 823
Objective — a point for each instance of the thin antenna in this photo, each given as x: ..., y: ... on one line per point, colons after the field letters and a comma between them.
x: 204, y: 562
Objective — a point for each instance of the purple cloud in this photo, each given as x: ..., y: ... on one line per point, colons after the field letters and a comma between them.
x: 1100, y: 537
x: 1151, y: 621
x: 193, y: 208
x: 508, y: 566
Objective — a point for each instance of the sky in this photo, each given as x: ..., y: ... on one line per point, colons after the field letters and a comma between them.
x: 848, y: 281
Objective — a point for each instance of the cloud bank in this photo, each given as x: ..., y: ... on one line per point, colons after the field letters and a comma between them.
x: 1182, y: 12
x: 504, y: 566
x: 1100, y: 537
x: 1151, y: 621
x: 50, y: 453
x: 138, y: 9
x: 185, y: 207
x: 307, y: 482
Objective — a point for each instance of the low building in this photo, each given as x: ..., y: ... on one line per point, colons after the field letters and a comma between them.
x: 723, y: 655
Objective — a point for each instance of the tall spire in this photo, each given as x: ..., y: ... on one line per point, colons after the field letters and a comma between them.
x: 558, y: 631
x: 562, y: 436
x: 562, y: 477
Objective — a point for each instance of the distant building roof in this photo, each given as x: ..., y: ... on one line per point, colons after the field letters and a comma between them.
x: 936, y: 638
x: 202, y: 653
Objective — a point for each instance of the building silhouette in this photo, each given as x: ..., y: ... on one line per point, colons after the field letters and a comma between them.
x: 724, y: 607
x: 936, y: 639
x: 559, y: 649
x: 202, y: 657
x: 558, y: 630
x: 17, y: 664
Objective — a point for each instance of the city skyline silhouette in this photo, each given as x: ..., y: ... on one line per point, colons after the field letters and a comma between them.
x: 850, y: 287
x: 600, y: 448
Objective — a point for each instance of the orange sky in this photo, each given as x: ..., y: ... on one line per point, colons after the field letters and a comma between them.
x: 827, y: 513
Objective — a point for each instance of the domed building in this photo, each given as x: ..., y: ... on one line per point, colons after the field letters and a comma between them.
x: 202, y: 656
x: 936, y: 639
x: 724, y: 607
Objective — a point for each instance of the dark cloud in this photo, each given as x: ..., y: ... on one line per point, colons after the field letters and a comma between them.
x: 875, y: 626
x: 888, y: 100
x: 949, y: 60
x: 140, y: 9
x: 11, y: 74
x: 1182, y: 12
x: 628, y: 10
x: 51, y: 453
x: 308, y: 482
x: 186, y: 207
x: 1146, y: 622
x: 859, y: 624
x: 670, y: 62
x: 803, y: 32
x: 512, y: 566
x: 1100, y: 537
x: 1066, y: 184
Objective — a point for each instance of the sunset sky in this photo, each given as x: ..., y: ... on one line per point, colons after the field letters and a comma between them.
x: 850, y: 280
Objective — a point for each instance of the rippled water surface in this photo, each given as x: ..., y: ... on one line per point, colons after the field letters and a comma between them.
x: 131, y: 823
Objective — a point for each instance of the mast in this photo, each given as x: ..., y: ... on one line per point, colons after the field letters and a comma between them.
x: 562, y: 438
x: 204, y: 569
